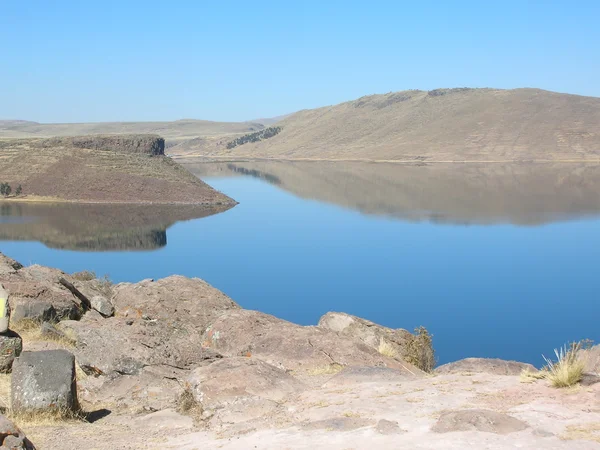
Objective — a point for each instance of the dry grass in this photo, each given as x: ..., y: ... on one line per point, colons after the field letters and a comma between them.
x: 46, y: 417
x: 330, y: 369
x: 587, y: 432
x: 529, y: 376
x: 30, y: 331
x: 188, y: 405
x: 387, y: 349
x: 568, y: 368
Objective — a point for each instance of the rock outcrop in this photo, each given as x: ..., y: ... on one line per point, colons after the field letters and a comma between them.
x: 478, y: 420
x: 11, y: 346
x: 485, y: 365
x: 147, y: 144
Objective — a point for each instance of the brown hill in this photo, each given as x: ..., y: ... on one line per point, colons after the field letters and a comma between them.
x: 101, y: 169
x: 440, y: 125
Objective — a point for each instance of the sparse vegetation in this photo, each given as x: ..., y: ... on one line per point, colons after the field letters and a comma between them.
x: 330, y: 369
x: 419, y: 350
x: 188, y: 405
x: 84, y: 275
x: 254, y: 137
x: 387, y: 349
x: 529, y: 376
x: 568, y: 368
x: 5, y: 189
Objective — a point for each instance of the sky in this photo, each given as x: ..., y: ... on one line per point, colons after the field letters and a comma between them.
x: 94, y: 61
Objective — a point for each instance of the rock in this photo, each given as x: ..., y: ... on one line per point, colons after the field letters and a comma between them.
x: 44, y: 381
x: 354, y: 375
x: 41, y: 300
x: 290, y: 346
x: 11, y: 437
x: 485, y: 365
x: 102, y: 305
x: 33, y: 310
x: 11, y: 346
x: 8, y: 265
x: 178, y: 310
x: 388, y: 427
x: 478, y: 420
x: 231, y: 378
x: 399, y: 342
x: 48, y: 330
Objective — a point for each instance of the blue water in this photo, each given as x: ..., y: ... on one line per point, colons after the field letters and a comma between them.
x: 504, y: 291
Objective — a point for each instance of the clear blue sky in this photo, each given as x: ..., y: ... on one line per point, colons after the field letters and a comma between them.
x: 76, y: 61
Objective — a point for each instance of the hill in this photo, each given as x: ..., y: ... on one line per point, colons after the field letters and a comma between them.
x: 440, y: 125
x: 101, y: 169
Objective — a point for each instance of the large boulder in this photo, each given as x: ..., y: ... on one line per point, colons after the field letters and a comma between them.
x: 485, y: 365
x: 44, y: 381
x: 11, y: 437
x: 290, y: 346
x: 11, y: 346
x: 397, y: 343
x: 156, y: 323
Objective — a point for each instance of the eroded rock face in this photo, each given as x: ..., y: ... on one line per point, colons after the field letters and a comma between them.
x: 11, y: 437
x: 44, y: 381
x: 485, y: 365
x: 478, y: 420
x: 289, y: 346
x: 382, y: 375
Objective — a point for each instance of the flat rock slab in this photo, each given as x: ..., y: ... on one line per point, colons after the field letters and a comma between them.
x: 485, y: 365
x: 338, y: 424
x: 235, y: 377
x: 478, y: 420
x: 44, y: 381
x: 354, y: 375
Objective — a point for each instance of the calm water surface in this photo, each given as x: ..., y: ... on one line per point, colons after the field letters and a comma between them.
x: 499, y: 262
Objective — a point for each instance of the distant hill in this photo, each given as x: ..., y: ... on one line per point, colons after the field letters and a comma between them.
x: 440, y: 125
x: 101, y: 169
x: 176, y: 130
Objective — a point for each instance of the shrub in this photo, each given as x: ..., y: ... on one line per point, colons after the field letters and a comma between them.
x: 18, y: 190
x: 254, y: 137
x: 568, y: 368
x: 419, y: 350
x: 387, y: 349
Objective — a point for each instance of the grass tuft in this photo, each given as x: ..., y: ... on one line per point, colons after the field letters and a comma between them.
x: 568, y: 368
x: 529, y: 376
x: 387, y: 349
x: 188, y: 405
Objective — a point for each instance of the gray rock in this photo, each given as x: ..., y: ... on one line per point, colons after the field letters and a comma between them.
x: 33, y: 310
x: 338, y: 424
x: 388, y: 427
x: 485, y: 365
x: 8, y: 265
x: 11, y: 346
x: 102, y: 305
x: 478, y: 420
x: 11, y: 437
x: 44, y: 381
x: 356, y: 375
x: 50, y: 331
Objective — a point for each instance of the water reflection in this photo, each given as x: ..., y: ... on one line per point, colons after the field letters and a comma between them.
x: 526, y: 194
x: 95, y: 227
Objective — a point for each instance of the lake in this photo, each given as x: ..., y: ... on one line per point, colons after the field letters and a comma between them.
x: 494, y: 260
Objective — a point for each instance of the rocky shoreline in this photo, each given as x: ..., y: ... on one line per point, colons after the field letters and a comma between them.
x: 175, y: 363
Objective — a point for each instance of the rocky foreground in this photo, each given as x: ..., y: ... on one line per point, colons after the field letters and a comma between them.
x: 175, y: 363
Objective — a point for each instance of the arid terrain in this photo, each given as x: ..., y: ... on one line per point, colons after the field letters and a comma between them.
x: 440, y: 125
x: 175, y: 363
x: 101, y: 169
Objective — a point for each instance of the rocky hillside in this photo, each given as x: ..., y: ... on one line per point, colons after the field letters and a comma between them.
x: 175, y: 363
x: 104, y: 169
x: 440, y: 125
